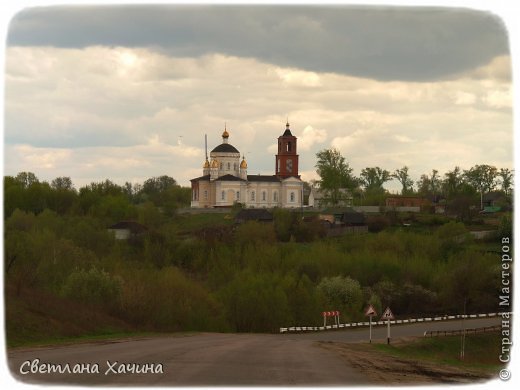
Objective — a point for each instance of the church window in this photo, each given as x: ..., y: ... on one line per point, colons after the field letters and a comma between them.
x: 221, y: 166
x: 228, y: 166
x: 223, y: 195
x: 278, y: 165
x: 238, y: 195
x: 263, y: 196
x: 275, y: 196
x: 253, y: 196
x: 206, y: 195
x: 292, y: 197
x: 288, y: 146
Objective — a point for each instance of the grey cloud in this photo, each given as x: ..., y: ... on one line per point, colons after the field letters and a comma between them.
x: 389, y: 43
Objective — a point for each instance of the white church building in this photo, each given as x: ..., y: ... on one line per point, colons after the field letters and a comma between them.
x: 225, y: 181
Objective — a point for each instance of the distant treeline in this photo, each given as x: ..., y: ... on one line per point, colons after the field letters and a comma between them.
x: 102, y: 199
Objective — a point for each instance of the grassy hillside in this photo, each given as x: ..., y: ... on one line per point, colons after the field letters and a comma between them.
x: 36, y: 317
x: 67, y: 276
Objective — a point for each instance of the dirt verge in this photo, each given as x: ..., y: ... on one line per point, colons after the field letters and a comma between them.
x: 391, y: 370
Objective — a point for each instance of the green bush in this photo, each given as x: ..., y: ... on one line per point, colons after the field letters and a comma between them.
x: 284, y: 223
x: 377, y: 223
x: 342, y: 293
x: 255, y: 302
x: 93, y: 287
x: 255, y: 233
x: 168, y: 300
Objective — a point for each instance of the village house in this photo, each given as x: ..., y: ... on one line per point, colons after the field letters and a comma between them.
x: 319, y: 198
x: 406, y: 201
x: 125, y: 230
x: 258, y: 215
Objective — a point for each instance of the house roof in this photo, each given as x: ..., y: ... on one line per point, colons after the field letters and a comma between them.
x: 337, y: 210
x: 490, y: 196
x: 229, y: 177
x: 264, y: 178
x: 205, y: 177
x: 225, y: 148
x: 254, y: 215
x: 134, y: 227
x: 290, y: 177
x: 353, y: 217
x: 405, y: 197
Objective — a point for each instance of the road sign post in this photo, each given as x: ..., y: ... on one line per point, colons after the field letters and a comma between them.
x: 370, y: 312
x: 387, y: 315
x: 388, y: 331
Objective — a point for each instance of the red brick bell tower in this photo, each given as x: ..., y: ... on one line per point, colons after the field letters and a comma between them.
x: 286, y: 163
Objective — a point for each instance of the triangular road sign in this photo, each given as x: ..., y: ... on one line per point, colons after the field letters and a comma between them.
x: 388, y: 315
x: 370, y: 311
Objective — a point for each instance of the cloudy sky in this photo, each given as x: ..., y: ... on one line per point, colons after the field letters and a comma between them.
x: 128, y: 92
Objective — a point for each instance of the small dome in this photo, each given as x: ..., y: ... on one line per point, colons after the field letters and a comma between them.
x: 214, y: 164
x: 206, y: 164
x: 287, y: 132
x: 243, y: 164
x: 225, y: 134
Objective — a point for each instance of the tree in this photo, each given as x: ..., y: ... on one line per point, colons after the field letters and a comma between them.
x: 452, y: 182
x: 335, y: 173
x: 404, y: 178
x: 482, y: 178
x: 165, y: 193
x: 158, y: 184
x: 435, y: 182
x: 463, y: 207
x: 62, y: 183
x: 507, y: 179
x: 374, y: 178
x: 63, y: 195
x: 93, y: 194
x: 26, y: 179
x: 129, y: 190
x: 429, y: 185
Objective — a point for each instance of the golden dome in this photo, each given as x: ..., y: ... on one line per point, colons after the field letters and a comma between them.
x: 206, y: 164
x: 243, y: 164
x: 214, y: 164
x: 225, y: 134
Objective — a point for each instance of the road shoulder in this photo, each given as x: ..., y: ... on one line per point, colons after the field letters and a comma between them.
x: 385, y: 368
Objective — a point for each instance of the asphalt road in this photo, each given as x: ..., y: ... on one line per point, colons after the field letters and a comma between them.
x: 218, y: 359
